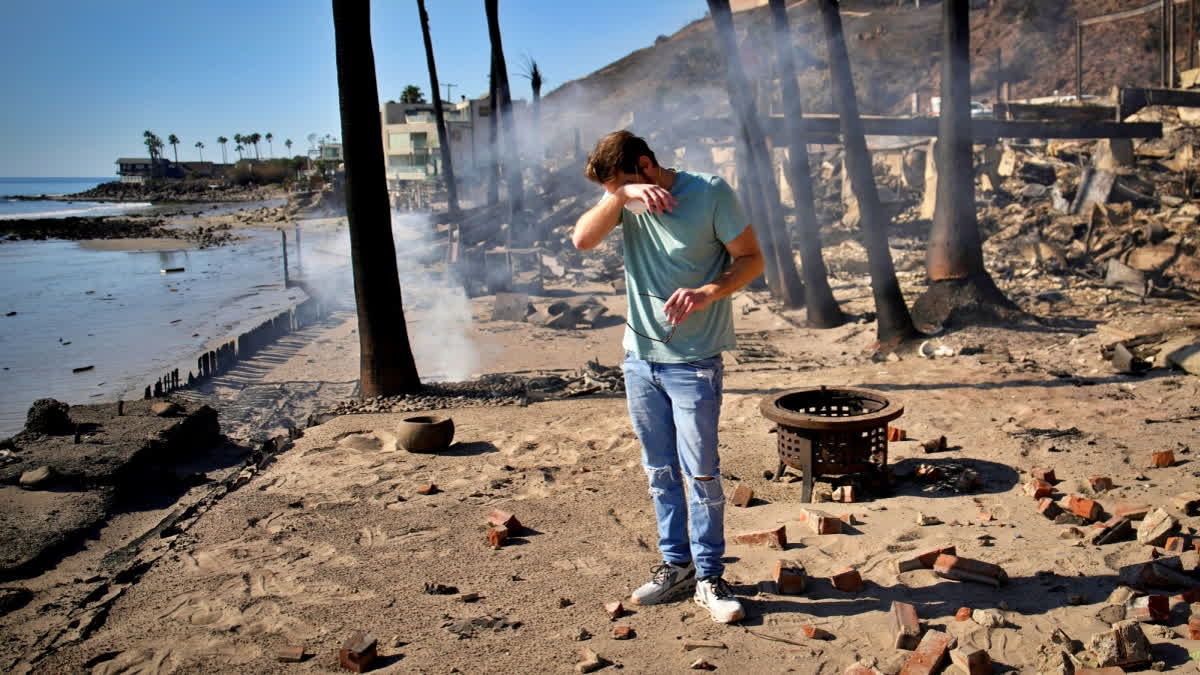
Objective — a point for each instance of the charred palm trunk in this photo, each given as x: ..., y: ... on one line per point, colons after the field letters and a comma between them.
x: 959, y: 283
x: 756, y: 207
x: 443, y: 137
x: 512, y: 162
x: 777, y: 248
x: 893, y: 322
x: 386, y: 360
x: 822, y: 309
x: 493, y: 163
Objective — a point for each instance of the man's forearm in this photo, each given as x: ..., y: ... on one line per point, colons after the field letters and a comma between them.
x: 741, y: 271
x: 595, y: 223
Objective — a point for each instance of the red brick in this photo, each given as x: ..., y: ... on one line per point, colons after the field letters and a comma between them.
x: 790, y: 578
x: 972, y: 660
x: 859, y: 669
x: 1100, y: 483
x: 924, y: 559
x: 963, y: 614
x: 895, y: 434
x: 1131, y: 510
x: 904, y: 626
x: 1049, y: 508
x: 849, y: 519
x: 358, y: 652
x: 614, y: 610
x: 497, y: 536
x: 1194, y: 628
x: 1084, y: 507
x: 427, y: 489
x: 814, y: 633
x: 742, y: 495
x: 1161, y: 460
x: 966, y: 569
x: 623, y: 633
x: 1043, y: 474
x: 290, y: 654
x: 1038, y: 489
x: 1159, y: 607
x: 845, y: 494
x: 848, y: 580
x: 985, y: 516
x: 1175, y: 544
x: 776, y: 538
x: 500, y: 518
x: 1111, y: 670
x: 929, y: 655
x: 820, y: 522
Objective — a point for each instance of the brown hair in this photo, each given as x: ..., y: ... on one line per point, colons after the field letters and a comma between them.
x: 618, y: 151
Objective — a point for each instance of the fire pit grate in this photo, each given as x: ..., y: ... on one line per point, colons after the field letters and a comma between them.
x: 831, y: 431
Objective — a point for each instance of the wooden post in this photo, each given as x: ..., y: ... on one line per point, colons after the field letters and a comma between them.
x: 283, y: 235
x: 1191, y: 10
x: 1170, y: 44
x: 298, y: 245
x: 1162, y: 43
x: 1078, y: 62
x: 1000, y: 69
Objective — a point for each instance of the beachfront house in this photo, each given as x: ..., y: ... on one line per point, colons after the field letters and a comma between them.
x: 138, y: 169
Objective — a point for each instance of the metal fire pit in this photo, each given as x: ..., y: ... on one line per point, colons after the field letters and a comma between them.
x: 831, y: 431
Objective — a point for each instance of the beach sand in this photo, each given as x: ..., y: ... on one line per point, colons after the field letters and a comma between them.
x: 332, y: 537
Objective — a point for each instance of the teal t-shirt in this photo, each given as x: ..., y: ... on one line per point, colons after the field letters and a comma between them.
x: 681, y: 249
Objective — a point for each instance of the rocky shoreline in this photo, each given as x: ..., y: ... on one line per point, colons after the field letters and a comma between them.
x: 78, y: 228
x: 160, y: 192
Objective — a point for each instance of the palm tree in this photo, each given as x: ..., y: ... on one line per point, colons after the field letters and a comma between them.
x: 412, y: 94
x: 253, y: 139
x: 154, y: 146
x: 270, y: 145
x: 174, y: 141
x: 443, y: 137
x: 893, y: 322
x: 221, y: 140
x: 764, y: 205
x: 822, y: 309
x: 241, y: 141
x: 493, y: 167
x: 534, y: 75
x: 200, y: 147
x: 954, y: 260
x: 239, y: 149
x: 288, y: 144
x: 386, y: 364
x: 512, y: 168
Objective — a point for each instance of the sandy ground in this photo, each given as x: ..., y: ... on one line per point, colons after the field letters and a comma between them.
x: 332, y: 537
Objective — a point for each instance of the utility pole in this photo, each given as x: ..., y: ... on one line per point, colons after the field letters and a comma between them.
x: 1191, y: 10
x: 449, y: 86
x: 1164, y: 5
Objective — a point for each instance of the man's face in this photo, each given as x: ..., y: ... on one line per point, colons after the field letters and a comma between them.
x: 622, y: 178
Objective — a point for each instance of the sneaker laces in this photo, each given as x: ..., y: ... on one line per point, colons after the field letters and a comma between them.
x: 720, y: 588
x: 662, y: 572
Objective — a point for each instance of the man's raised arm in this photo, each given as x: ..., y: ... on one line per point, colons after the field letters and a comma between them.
x: 595, y: 223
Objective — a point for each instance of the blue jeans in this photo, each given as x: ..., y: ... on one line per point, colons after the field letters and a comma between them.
x: 674, y: 408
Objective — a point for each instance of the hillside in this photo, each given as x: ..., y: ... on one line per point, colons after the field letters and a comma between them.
x: 895, y: 51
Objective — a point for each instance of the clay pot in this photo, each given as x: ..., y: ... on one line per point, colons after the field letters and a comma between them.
x: 425, y: 433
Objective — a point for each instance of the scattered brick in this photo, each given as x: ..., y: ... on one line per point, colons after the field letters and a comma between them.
x: 790, y: 577
x: 1162, y: 460
x: 967, y: 480
x: 848, y: 518
x: 985, y: 516
x: 689, y: 645
x: 929, y: 655
x: 934, y: 445
x: 1083, y: 507
x: 925, y: 520
x: 848, y: 580
x: 589, y: 661
x: 742, y: 495
x: 1112, y: 670
x: 1188, y: 502
x: 922, y: 560
x: 820, y: 522
x: 966, y: 569
x: 623, y: 633
x: 614, y: 610
x: 1043, y: 474
x: 904, y: 626
x: 701, y: 664
x: 1155, y: 528
x: 1159, y: 606
x: 1194, y: 628
x: 845, y: 494
x: 776, y: 538
x: 290, y: 654
x: 895, y: 434
x: 497, y: 536
x: 1038, y: 489
x: 972, y: 661
x: 1131, y: 510
x: 1160, y: 573
x: 500, y: 518
x: 358, y: 652
x: 427, y: 489
x: 1175, y: 544
x: 860, y: 668
x: 814, y: 633
x: 963, y: 614
x: 1116, y: 529
x: 929, y: 473
x: 1100, y: 483
x: 1049, y: 508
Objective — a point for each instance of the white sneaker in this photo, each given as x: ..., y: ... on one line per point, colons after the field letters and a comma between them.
x: 715, y: 595
x: 669, y: 580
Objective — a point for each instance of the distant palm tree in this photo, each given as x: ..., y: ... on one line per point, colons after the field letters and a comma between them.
x: 200, y: 147
x: 221, y: 140
x: 386, y: 363
x: 534, y: 75
x: 412, y: 94
x: 174, y: 141
x: 253, y: 139
x: 241, y: 141
x: 439, y: 114
x: 154, y: 145
x: 270, y: 146
x: 288, y: 143
x: 239, y: 149
x: 512, y: 165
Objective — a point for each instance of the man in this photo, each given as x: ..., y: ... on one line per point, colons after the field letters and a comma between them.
x: 685, y: 253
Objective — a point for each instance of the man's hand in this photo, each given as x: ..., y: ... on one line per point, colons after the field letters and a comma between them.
x: 657, y: 199
x: 684, y: 301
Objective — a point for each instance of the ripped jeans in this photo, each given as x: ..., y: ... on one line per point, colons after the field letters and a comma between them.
x: 674, y: 408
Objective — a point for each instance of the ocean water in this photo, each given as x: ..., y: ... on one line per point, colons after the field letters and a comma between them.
x: 52, y: 208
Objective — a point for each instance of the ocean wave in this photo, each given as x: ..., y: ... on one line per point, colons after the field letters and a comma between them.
x: 68, y: 209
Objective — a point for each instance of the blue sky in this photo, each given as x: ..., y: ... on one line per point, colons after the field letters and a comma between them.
x: 84, y: 78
